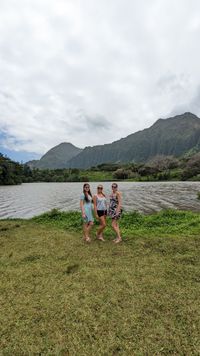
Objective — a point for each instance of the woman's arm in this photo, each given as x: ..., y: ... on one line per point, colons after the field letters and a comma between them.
x: 106, y: 204
x: 95, y: 205
x: 82, y: 208
x: 119, y: 205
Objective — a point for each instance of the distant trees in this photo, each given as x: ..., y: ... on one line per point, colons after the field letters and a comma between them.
x: 121, y: 173
x: 161, y: 163
x: 192, y: 167
x: 10, y: 172
x: 109, y: 167
x: 16, y: 173
x: 157, y: 169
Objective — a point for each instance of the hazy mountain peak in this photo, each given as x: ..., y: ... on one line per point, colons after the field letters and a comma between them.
x: 57, y: 157
x: 173, y: 136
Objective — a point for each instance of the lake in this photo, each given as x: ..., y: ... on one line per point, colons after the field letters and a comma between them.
x: 30, y: 199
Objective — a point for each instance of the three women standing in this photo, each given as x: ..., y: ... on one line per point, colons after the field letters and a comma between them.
x: 100, y: 209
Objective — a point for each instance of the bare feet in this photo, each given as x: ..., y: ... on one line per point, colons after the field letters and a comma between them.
x: 100, y: 237
x: 87, y: 239
x: 118, y: 240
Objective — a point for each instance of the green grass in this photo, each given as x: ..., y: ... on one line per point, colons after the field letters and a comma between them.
x: 59, y: 296
x: 97, y: 176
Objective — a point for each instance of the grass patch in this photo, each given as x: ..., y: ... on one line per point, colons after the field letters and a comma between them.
x: 60, y: 296
x: 97, y: 176
x: 166, y: 222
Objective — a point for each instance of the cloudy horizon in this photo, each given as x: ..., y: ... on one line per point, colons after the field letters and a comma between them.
x: 91, y: 72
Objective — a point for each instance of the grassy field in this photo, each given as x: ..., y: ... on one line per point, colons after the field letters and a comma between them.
x: 97, y: 176
x: 60, y: 296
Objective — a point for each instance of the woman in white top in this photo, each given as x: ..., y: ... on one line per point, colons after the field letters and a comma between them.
x: 100, y: 208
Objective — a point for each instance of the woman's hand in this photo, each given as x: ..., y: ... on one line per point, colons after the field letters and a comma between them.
x: 83, y: 215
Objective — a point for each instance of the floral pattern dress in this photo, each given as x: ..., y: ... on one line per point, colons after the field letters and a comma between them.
x: 113, y: 207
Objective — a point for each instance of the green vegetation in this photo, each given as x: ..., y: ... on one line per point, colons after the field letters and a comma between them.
x: 166, y: 222
x: 160, y: 168
x: 10, y: 172
x: 60, y: 296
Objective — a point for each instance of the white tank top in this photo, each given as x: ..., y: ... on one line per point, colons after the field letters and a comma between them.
x: 101, y: 203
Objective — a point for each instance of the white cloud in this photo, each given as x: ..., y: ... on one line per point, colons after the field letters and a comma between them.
x: 90, y: 72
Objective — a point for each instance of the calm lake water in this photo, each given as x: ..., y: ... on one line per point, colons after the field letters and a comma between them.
x: 29, y: 199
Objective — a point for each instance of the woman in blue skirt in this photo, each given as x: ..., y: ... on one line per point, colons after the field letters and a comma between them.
x: 86, y: 209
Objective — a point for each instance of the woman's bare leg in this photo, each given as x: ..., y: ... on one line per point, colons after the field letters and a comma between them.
x: 102, y: 226
x: 115, y: 227
x: 89, y: 226
x: 86, y: 231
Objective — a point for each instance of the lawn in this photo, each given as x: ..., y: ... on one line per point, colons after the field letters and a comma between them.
x: 60, y: 296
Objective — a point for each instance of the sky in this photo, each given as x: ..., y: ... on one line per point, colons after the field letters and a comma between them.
x: 92, y: 71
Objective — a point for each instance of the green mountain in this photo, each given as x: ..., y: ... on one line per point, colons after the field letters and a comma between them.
x: 173, y: 136
x: 56, y: 157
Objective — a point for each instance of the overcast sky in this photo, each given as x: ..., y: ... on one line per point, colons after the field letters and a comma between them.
x: 92, y: 71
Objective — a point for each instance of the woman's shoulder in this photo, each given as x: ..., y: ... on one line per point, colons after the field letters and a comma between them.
x: 99, y: 196
x: 82, y: 196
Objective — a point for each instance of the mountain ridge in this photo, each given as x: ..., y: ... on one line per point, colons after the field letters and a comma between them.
x: 171, y: 136
x: 163, y: 137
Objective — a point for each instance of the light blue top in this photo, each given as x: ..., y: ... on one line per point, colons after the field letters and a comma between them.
x: 87, y: 208
x: 83, y: 198
x: 101, y: 202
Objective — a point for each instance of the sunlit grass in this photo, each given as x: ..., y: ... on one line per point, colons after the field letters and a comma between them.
x: 97, y: 176
x: 59, y: 296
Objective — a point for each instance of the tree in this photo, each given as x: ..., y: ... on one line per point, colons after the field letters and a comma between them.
x: 10, y: 172
x: 121, y: 173
x: 192, y: 167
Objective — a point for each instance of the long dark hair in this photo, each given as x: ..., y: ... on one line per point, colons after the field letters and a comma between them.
x: 86, y: 193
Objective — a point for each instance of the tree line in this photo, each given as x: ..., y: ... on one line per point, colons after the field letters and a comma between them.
x: 157, y: 169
